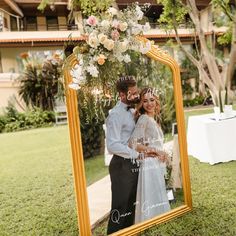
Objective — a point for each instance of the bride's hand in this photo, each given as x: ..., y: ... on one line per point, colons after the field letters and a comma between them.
x: 162, y: 156
x: 151, y: 152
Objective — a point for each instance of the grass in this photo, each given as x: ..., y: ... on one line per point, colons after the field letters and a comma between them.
x: 37, y: 195
x: 214, y: 205
x: 36, y: 183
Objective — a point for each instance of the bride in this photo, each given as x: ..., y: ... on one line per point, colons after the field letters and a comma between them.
x: 151, y: 198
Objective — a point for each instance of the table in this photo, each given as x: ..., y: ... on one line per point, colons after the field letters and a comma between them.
x: 212, y: 141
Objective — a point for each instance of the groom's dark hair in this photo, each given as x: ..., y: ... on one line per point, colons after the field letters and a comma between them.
x: 125, y: 82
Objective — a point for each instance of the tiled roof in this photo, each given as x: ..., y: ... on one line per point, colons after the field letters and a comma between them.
x: 25, y: 40
x: 189, y: 35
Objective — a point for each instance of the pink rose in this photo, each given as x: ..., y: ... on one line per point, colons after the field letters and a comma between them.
x: 92, y: 20
x: 115, y: 35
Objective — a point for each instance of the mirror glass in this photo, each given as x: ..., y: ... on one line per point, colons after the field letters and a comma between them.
x: 113, y: 134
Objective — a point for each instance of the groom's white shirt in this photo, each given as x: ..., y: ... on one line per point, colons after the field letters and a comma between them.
x: 120, y: 125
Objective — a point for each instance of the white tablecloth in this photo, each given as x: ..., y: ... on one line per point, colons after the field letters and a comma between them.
x: 211, y: 141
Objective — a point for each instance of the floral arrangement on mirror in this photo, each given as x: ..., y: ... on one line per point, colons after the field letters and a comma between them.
x: 109, y: 38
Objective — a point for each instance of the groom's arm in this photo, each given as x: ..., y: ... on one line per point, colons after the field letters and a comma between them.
x: 113, y: 138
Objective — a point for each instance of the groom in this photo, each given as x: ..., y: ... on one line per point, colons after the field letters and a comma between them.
x: 123, y: 168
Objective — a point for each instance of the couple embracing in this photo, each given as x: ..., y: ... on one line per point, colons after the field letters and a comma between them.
x: 135, y: 139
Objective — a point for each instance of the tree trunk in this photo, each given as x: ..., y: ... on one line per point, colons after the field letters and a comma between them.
x: 232, y: 56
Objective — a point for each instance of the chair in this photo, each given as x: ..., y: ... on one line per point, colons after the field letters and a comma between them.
x: 60, y: 114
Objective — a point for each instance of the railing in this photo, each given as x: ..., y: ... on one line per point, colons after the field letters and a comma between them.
x: 186, y: 25
x: 48, y: 27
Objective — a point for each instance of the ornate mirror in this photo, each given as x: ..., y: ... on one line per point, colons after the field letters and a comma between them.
x: 157, y: 70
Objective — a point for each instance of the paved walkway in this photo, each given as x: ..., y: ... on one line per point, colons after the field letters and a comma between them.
x: 99, y: 198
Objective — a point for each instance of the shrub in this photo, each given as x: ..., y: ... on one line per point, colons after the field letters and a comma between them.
x: 92, y: 113
x: 3, y: 122
x: 15, y: 121
x: 198, y: 100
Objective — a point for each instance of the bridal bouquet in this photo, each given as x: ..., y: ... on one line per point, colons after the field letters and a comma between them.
x: 109, y: 37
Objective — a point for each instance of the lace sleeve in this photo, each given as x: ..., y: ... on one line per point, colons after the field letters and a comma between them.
x: 139, y: 133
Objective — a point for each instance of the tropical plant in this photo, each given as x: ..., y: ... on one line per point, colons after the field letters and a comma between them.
x: 40, y: 82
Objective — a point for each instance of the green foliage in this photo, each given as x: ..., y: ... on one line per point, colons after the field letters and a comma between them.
x: 173, y: 14
x: 3, y: 122
x: 43, y: 4
x: 40, y: 83
x: 226, y: 6
x: 92, y: 113
x: 225, y: 38
x: 198, y: 100
x: 16, y: 121
x: 188, y: 70
x: 222, y: 17
x: 37, y: 182
x: 92, y: 7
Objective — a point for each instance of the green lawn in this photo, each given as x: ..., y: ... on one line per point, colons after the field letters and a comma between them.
x: 36, y: 184
x: 37, y: 196
x: 214, y: 201
x: 214, y: 204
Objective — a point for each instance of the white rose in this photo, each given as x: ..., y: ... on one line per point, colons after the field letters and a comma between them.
x: 76, y: 71
x: 102, y: 38
x: 74, y: 86
x: 120, y: 57
x: 137, y: 29
x: 127, y: 58
x: 109, y: 44
x: 75, y: 80
x: 105, y: 24
x: 92, y: 70
x: 123, y: 26
x: 146, y: 27
x: 139, y: 13
x: 93, y: 41
x: 144, y: 48
x: 123, y: 46
x: 113, y: 11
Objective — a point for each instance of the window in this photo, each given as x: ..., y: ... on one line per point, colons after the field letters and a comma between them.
x: 52, y: 22
x: 31, y: 23
x: 5, y: 22
x: 13, y: 24
x: 1, y: 23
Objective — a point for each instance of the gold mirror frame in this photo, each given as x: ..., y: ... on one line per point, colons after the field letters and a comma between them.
x: 77, y: 154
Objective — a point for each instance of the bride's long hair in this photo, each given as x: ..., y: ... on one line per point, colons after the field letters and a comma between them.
x: 140, y: 110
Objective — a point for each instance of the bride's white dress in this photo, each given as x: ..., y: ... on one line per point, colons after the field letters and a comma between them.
x: 151, y: 198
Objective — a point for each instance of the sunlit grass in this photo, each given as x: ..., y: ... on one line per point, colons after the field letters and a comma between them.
x: 36, y: 183
x: 213, y: 195
x: 37, y: 195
